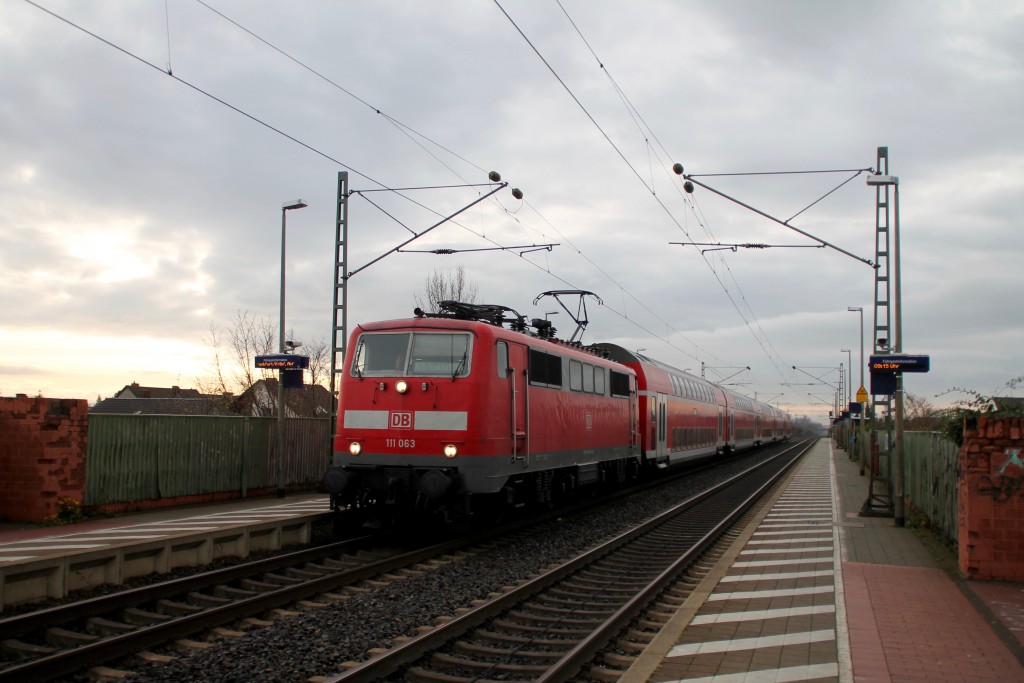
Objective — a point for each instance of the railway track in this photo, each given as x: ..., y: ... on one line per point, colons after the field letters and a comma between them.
x: 552, y: 627
x: 68, y: 639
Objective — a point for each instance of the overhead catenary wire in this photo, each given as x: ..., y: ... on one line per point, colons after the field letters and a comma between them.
x: 167, y: 22
x: 211, y: 96
x: 782, y: 222
x: 648, y: 133
x: 767, y: 349
x: 408, y: 131
x: 415, y: 136
x: 251, y: 117
x: 331, y: 158
x: 378, y: 111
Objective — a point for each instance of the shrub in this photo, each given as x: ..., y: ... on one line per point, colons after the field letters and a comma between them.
x: 952, y: 426
x: 69, y: 511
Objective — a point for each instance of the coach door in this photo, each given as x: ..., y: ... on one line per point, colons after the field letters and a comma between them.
x: 662, y: 418
x: 519, y: 404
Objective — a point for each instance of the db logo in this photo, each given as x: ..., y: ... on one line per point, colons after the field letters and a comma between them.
x: 401, y: 421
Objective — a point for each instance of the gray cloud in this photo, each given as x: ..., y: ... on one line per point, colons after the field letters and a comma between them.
x: 131, y: 204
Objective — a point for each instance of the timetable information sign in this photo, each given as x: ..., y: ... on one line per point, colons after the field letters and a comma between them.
x: 282, y: 361
x: 885, y: 369
x: 899, y: 362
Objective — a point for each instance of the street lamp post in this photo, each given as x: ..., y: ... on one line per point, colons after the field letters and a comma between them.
x: 860, y: 309
x: 285, y: 208
x: 862, y: 447
x: 899, y: 456
x: 849, y: 381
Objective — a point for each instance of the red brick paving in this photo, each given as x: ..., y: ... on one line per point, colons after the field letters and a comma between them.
x: 910, y: 624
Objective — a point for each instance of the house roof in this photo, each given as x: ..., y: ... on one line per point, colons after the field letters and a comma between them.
x: 311, y: 400
x: 204, y: 405
x: 133, y: 390
x: 1008, y: 402
x: 260, y: 399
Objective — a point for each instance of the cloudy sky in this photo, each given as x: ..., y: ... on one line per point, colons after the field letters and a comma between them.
x: 146, y: 150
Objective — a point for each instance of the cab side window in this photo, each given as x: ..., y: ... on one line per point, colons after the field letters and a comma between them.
x: 502, y: 356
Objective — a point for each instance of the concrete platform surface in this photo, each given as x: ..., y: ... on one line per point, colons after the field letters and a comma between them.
x: 812, y: 591
x: 37, y: 563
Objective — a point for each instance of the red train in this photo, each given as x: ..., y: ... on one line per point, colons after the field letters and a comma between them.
x: 454, y: 413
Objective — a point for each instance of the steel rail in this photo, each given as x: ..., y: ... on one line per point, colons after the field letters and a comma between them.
x: 65, y: 662
x: 132, y: 597
x: 571, y: 663
x: 413, y: 649
x: 70, y: 661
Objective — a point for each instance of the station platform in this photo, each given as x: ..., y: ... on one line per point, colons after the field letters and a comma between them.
x: 50, y: 562
x: 812, y: 591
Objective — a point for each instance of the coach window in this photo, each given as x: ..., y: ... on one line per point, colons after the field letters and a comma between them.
x: 502, y: 360
x: 576, y: 375
x: 599, y: 381
x: 588, y: 378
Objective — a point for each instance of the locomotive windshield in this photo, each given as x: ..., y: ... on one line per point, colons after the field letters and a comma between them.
x: 414, y: 354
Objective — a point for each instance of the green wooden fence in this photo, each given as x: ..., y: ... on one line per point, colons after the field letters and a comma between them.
x: 147, y: 457
x: 930, y: 480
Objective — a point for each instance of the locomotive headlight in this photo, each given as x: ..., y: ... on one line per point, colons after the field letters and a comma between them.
x: 355, y: 448
x: 450, y: 450
x: 401, y: 386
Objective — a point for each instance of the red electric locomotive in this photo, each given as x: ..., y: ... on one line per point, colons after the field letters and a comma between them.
x: 453, y: 412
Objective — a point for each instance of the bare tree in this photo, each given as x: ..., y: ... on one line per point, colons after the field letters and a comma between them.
x: 919, y: 414
x: 234, y: 368
x: 215, y: 384
x: 446, y: 286
x: 805, y: 426
x: 319, y: 352
x: 250, y: 337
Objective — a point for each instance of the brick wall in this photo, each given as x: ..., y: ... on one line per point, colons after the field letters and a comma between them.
x: 42, y: 455
x: 991, y: 499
